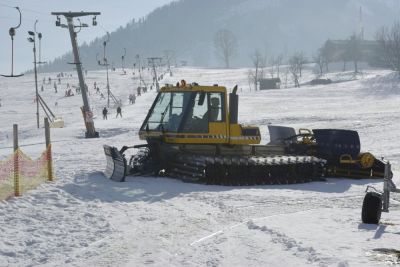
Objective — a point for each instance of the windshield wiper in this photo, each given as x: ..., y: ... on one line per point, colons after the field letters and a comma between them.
x: 164, y: 113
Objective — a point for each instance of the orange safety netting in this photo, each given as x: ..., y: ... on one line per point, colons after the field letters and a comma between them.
x: 31, y: 173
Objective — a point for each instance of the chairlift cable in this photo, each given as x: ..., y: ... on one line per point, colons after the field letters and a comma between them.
x: 25, y: 9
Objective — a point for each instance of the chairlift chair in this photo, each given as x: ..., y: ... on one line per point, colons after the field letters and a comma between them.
x: 12, y: 34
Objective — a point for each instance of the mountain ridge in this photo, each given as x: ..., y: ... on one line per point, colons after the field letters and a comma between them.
x: 187, y: 27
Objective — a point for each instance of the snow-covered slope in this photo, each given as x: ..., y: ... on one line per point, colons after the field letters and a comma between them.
x: 83, y: 219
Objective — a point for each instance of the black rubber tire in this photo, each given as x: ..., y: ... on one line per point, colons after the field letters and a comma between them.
x: 372, y: 208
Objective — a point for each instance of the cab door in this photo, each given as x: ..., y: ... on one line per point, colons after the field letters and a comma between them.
x: 217, y: 118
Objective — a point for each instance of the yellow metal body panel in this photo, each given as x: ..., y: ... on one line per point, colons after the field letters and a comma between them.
x: 236, y: 136
x: 217, y: 135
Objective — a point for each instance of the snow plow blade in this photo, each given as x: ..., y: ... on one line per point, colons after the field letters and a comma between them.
x: 116, y: 164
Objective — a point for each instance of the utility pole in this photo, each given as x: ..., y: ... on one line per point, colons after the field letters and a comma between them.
x: 87, y: 113
x: 139, y: 62
x: 39, y: 34
x: 123, y: 61
x: 32, y: 39
x: 168, y: 55
x: 105, y: 63
x: 152, y: 62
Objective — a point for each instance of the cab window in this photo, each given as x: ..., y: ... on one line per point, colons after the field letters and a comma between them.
x: 215, y: 107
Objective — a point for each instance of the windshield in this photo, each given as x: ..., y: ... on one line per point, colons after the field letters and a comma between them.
x: 184, y: 112
x: 167, y: 112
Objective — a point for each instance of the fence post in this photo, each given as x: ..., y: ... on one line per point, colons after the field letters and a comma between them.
x: 17, y: 191
x: 48, y: 150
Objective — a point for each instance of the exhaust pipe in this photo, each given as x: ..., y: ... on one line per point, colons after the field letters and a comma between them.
x: 233, y: 106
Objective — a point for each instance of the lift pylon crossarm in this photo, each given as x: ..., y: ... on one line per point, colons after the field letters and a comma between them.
x: 75, y: 14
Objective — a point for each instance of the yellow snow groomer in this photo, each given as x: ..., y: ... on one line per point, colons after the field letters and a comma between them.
x: 192, y: 133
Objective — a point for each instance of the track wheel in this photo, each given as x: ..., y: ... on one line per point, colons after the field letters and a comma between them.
x: 372, y: 208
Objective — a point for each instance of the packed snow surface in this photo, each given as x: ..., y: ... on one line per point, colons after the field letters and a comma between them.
x: 83, y: 219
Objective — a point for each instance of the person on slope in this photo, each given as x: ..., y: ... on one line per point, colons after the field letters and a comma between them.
x: 105, y: 111
x: 119, y: 111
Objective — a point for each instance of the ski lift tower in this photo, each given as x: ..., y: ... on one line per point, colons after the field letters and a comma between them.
x: 105, y: 63
x: 152, y: 63
x: 32, y: 39
x: 87, y: 113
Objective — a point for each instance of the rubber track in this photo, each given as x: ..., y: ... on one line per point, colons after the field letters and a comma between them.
x: 246, y: 171
x: 235, y: 170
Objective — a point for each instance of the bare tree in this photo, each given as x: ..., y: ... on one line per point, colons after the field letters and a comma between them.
x: 272, y: 66
x: 389, y: 40
x: 258, y: 61
x: 354, y: 51
x: 225, y: 46
x: 250, y: 76
x: 295, y: 65
x: 285, y: 75
x: 327, y: 54
x: 301, y: 61
x: 319, y: 60
x: 344, y: 56
x: 278, y: 63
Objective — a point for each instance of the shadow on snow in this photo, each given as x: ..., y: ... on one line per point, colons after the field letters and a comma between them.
x: 95, y: 186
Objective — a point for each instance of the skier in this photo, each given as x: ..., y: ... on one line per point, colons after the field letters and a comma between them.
x: 119, y: 111
x: 105, y: 111
x: 132, y: 99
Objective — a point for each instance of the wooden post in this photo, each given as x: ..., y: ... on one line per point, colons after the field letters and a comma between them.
x: 48, y: 149
x: 17, y: 191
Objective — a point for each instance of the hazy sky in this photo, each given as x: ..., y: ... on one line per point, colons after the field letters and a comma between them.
x: 56, y: 40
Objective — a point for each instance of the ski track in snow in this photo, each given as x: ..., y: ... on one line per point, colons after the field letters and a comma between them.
x: 82, y: 219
